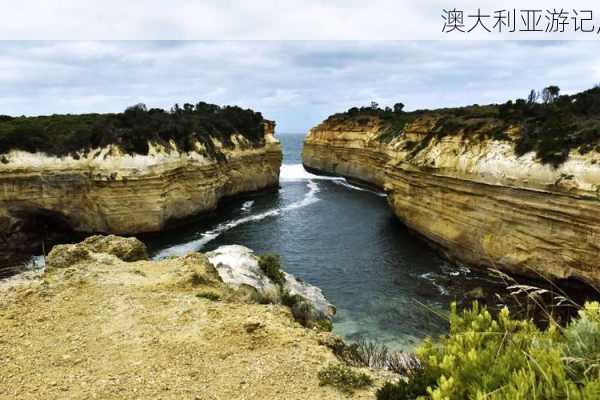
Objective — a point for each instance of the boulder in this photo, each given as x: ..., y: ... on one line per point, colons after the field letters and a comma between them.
x: 99, y: 248
x: 127, y: 249
x: 67, y: 255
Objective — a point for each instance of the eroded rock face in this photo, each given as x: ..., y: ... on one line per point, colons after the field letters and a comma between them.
x: 234, y: 267
x: 238, y: 267
x: 475, y: 199
x: 67, y: 255
x: 125, y: 249
x: 107, y: 191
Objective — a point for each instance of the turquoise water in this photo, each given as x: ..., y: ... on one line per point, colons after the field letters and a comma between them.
x: 386, y: 283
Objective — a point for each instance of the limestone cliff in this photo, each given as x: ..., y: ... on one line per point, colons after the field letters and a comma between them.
x: 107, y: 190
x: 471, y: 195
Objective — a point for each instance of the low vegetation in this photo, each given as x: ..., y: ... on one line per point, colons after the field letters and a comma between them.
x: 303, y: 311
x: 486, y: 357
x: 132, y: 129
x: 270, y: 264
x: 212, y: 296
x: 547, y: 123
x: 344, y: 378
x: 370, y: 354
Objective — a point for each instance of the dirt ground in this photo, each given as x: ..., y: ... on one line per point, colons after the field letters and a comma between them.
x: 116, y: 330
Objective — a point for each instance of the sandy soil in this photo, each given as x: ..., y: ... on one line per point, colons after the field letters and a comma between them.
x: 114, y: 330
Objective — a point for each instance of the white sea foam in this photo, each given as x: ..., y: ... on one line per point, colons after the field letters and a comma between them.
x: 196, y: 245
x: 296, y: 173
x: 431, y: 277
x: 362, y: 189
x: 247, y: 206
x: 288, y: 173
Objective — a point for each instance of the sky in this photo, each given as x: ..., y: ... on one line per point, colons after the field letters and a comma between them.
x: 295, y: 83
x: 267, y: 19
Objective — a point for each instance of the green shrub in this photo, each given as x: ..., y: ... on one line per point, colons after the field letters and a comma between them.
x: 271, y: 266
x: 551, y: 129
x: 212, y: 296
x: 343, y: 378
x: 290, y: 300
x: 413, y: 387
x: 132, y: 129
x: 502, y: 358
x: 582, y: 343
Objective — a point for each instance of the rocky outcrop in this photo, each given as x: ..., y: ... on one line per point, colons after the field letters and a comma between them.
x: 239, y: 268
x: 125, y: 249
x: 102, y: 327
x: 235, y: 267
x: 108, y: 191
x: 472, y: 197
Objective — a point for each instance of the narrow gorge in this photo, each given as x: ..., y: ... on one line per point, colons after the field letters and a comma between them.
x: 489, y: 186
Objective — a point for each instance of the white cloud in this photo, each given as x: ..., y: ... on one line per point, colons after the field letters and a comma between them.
x: 298, y: 83
x: 256, y: 19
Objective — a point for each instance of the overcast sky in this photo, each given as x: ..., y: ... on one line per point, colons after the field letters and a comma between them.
x: 296, y: 83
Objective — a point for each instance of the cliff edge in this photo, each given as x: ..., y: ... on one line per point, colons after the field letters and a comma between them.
x: 104, y: 322
x: 127, y: 173
x: 490, y: 186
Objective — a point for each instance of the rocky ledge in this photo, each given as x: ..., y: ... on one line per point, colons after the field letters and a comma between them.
x: 104, y: 322
x: 460, y: 184
x: 107, y: 190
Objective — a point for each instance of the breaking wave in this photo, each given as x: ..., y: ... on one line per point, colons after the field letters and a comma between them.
x: 195, y: 245
x: 288, y: 173
x: 297, y: 173
x: 362, y: 189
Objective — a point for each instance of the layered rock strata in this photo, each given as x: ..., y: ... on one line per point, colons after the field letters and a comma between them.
x: 472, y: 197
x: 107, y: 191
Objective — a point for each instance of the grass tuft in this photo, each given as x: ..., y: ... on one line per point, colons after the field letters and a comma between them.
x: 344, y: 378
x: 212, y: 296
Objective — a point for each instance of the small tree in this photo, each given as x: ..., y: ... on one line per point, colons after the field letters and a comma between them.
x: 520, y: 103
x: 550, y: 93
x: 374, y: 105
x: 139, y: 107
x: 533, y: 97
x: 353, y: 111
x: 398, y: 107
x: 175, y: 109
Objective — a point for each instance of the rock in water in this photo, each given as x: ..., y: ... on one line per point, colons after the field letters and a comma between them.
x: 476, y: 200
